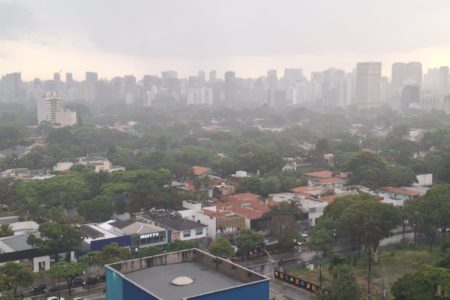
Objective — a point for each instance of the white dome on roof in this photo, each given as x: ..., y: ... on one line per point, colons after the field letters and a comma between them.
x: 182, y: 280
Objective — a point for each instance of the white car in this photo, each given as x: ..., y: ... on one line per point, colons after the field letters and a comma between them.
x: 55, y: 298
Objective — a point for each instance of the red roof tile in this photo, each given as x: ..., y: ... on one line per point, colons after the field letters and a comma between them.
x: 198, y: 170
x: 320, y: 174
x: 401, y: 191
x: 247, y: 205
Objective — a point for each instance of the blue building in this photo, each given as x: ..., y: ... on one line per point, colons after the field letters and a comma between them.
x: 183, y: 275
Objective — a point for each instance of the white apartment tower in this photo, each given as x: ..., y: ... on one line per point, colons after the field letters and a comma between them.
x: 50, y: 108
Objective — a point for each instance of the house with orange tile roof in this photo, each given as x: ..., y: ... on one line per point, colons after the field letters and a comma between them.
x: 397, y: 195
x: 248, y: 205
x: 199, y: 170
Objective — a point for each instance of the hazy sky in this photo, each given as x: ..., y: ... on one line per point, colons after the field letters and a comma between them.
x: 40, y: 37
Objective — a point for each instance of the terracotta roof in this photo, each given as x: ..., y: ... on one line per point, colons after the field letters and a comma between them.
x: 198, y: 170
x: 401, y: 191
x: 247, y: 205
x: 329, y: 198
x: 331, y: 180
x: 320, y: 174
x: 301, y: 190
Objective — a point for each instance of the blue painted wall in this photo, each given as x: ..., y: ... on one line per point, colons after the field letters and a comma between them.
x: 257, y: 291
x: 114, y: 285
x: 123, y: 241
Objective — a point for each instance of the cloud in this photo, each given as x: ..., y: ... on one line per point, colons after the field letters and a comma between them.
x: 16, y: 21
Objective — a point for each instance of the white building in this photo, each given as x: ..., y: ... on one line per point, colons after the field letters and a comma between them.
x: 198, y: 96
x: 50, y: 108
x: 314, y: 208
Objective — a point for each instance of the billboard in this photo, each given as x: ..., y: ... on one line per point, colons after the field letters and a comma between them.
x: 296, y: 281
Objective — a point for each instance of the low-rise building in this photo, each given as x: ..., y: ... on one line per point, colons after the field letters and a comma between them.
x: 188, y: 274
x: 397, y: 195
x: 179, y: 228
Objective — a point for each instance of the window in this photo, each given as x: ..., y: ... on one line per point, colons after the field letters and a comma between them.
x: 312, y: 210
x: 186, y: 233
x: 199, y: 231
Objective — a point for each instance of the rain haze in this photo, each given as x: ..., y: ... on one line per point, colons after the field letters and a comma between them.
x: 116, y: 37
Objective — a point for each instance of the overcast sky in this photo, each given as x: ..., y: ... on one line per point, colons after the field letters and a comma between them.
x: 117, y: 37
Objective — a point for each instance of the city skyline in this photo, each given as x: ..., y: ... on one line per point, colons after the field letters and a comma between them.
x: 41, y: 37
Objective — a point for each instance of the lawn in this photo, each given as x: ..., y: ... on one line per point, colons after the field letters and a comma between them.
x: 392, y: 263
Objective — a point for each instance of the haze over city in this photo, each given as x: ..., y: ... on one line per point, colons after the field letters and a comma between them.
x: 114, y: 38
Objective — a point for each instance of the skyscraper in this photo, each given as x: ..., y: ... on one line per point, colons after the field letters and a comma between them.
x: 406, y: 74
x: 90, y: 85
x: 230, y: 88
x: 368, y: 84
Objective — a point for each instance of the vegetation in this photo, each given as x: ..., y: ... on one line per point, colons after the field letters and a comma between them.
x: 221, y: 247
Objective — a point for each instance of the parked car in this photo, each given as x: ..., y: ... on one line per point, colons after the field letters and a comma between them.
x: 55, y: 298
x: 77, y: 282
x: 79, y: 298
x: 37, y: 290
x: 91, y: 280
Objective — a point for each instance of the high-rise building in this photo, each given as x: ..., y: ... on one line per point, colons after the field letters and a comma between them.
x: 230, y: 87
x: 69, y: 78
x: 90, y: 86
x: 50, y: 108
x: 292, y: 76
x: 169, y: 75
x: 212, y: 76
x: 12, y: 88
x: 368, y: 84
x: 444, y: 79
x: 406, y: 74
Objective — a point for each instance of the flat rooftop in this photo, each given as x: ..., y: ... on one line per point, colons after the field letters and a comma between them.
x: 158, y: 280
x: 197, y: 272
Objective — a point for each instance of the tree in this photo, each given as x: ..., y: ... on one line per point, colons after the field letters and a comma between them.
x: 249, y: 240
x: 148, y: 251
x: 57, y: 238
x: 16, y: 275
x: 343, y: 287
x: 270, y: 185
x: 321, y: 241
x: 67, y: 270
x: 98, y: 209
x: 179, y: 245
x: 438, y: 206
x: 368, y: 222
x: 110, y: 254
x: 428, y: 283
x: 400, y: 176
x: 5, y: 230
x: 250, y: 184
x: 367, y: 169
x: 284, y: 223
x: 221, y: 247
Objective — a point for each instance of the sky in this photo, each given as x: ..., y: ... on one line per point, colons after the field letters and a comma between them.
x: 119, y: 37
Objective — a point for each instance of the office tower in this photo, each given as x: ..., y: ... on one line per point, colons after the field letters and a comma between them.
x: 212, y: 76
x: 410, y: 95
x: 69, y: 78
x: 50, y: 109
x: 406, y: 74
x: 201, y: 77
x: 292, y: 76
x: 272, y: 79
x: 169, y: 75
x: 230, y: 87
x: 443, y: 79
x: 368, y: 84
x: 90, y: 85
x: 11, y: 88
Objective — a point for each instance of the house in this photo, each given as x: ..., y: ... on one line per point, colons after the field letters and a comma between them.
x: 314, y: 208
x: 199, y: 171
x: 16, y: 248
x: 291, y: 165
x: 98, y: 164
x: 247, y: 205
x: 63, y: 166
x: 223, y: 190
x: 221, y: 223
x: 179, y: 228
x: 18, y: 173
x: 397, y: 195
